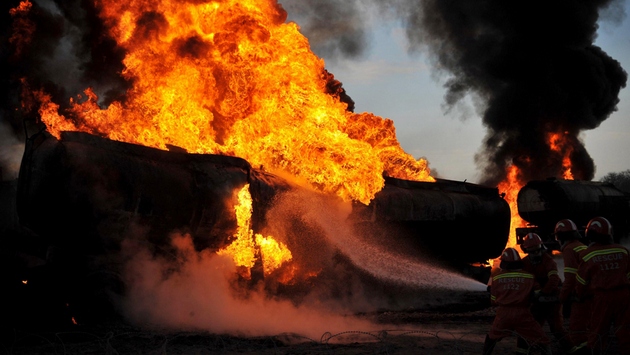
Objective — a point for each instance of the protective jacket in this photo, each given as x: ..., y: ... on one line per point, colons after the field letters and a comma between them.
x: 580, y: 312
x: 511, y: 292
x: 545, y: 273
x: 547, y: 307
x: 605, y: 269
x: 571, y: 257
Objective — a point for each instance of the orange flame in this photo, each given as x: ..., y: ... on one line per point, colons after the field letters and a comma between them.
x: 23, y: 7
x: 511, y: 186
x: 243, y: 249
x: 559, y: 144
x: 274, y: 254
x: 514, y: 182
x: 23, y: 28
x: 233, y: 78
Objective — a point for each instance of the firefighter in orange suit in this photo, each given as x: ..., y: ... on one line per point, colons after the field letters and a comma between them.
x: 567, y: 235
x: 605, y: 269
x: 546, y: 307
x: 511, y: 291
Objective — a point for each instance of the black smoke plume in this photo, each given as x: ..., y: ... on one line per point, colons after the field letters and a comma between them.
x: 59, y: 46
x: 63, y: 50
x: 535, y: 67
x: 532, y: 67
x: 334, y: 28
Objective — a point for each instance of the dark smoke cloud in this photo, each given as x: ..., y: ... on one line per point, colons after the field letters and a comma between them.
x: 535, y: 66
x: 100, y: 57
x: 65, y: 53
x: 334, y: 28
x: 15, y: 66
x: 531, y: 66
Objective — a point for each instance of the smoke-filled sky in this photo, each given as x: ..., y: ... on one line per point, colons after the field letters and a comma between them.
x: 441, y: 68
x: 472, y: 88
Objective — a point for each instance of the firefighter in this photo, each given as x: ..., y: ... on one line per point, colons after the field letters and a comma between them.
x: 605, y: 269
x: 571, y: 246
x: 546, y: 307
x: 511, y: 291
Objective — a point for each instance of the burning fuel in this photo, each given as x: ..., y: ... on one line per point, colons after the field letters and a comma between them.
x: 245, y: 247
x: 231, y: 78
x: 532, y: 69
x: 196, y: 290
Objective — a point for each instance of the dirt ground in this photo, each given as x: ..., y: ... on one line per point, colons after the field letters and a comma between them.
x: 430, y: 332
x: 413, y: 333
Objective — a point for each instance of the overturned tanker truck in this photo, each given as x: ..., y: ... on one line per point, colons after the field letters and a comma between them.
x: 453, y: 222
x: 80, y: 198
x: 83, y: 195
x: 542, y: 203
x: 82, y: 190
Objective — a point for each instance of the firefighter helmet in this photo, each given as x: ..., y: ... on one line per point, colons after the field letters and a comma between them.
x: 599, y: 226
x: 510, y: 255
x: 566, y: 230
x: 510, y: 260
x: 532, y: 242
x: 565, y: 225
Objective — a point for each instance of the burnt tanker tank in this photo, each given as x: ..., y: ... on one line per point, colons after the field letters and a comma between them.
x: 451, y: 221
x: 542, y: 203
x: 84, y: 193
x: 80, y: 198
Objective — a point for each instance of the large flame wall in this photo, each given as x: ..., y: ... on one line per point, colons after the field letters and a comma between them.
x: 234, y: 78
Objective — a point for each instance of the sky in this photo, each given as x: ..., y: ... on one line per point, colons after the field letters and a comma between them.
x: 391, y: 83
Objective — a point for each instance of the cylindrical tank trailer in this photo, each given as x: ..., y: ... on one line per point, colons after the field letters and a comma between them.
x: 453, y: 221
x: 82, y: 190
x: 542, y: 203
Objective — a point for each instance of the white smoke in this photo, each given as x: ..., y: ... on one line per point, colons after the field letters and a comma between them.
x: 198, y: 294
x: 200, y: 290
x: 330, y: 215
x: 11, y: 150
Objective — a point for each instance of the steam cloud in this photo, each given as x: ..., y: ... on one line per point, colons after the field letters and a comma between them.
x: 199, y: 296
x: 531, y: 66
x: 198, y: 290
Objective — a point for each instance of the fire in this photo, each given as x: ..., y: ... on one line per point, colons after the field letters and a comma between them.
x: 234, y: 78
x: 511, y: 186
x: 513, y: 182
x: 559, y: 144
x: 246, y: 246
x: 23, y: 27
x: 273, y: 253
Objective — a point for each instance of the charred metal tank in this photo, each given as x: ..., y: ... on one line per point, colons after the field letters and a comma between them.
x: 542, y: 203
x: 83, y: 196
x: 84, y: 192
x: 452, y: 221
